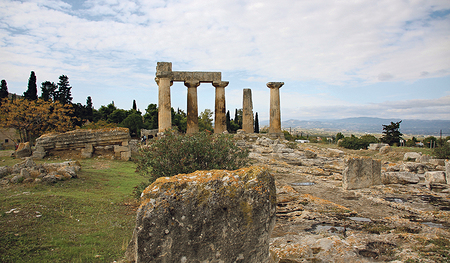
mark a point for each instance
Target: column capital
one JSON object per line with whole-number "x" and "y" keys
{"x": 274, "y": 85}
{"x": 192, "y": 83}
{"x": 158, "y": 78}
{"x": 220, "y": 84}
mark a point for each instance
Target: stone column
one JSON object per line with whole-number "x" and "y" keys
{"x": 164, "y": 107}
{"x": 247, "y": 112}
{"x": 275, "y": 113}
{"x": 192, "y": 106}
{"x": 220, "y": 124}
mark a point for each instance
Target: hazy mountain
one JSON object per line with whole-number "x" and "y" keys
{"x": 372, "y": 125}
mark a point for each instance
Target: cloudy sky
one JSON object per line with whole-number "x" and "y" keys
{"x": 338, "y": 59}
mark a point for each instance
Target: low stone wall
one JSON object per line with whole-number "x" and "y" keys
{"x": 206, "y": 216}
{"x": 85, "y": 143}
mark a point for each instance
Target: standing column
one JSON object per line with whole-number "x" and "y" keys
{"x": 247, "y": 112}
{"x": 164, "y": 107}
{"x": 275, "y": 113}
{"x": 220, "y": 124}
{"x": 192, "y": 106}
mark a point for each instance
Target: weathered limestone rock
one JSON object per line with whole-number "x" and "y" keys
{"x": 435, "y": 177}
{"x": 399, "y": 178}
{"x": 376, "y": 146}
{"x": 310, "y": 154}
{"x": 412, "y": 156}
{"x": 24, "y": 150}
{"x": 206, "y": 216}
{"x": 425, "y": 158}
{"x": 385, "y": 149}
{"x": 86, "y": 139}
{"x": 361, "y": 172}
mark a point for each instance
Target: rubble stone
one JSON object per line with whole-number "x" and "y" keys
{"x": 435, "y": 177}
{"x": 399, "y": 178}
{"x": 411, "y": 156}
{"x": 361, "y": 172}
{"x": 23, "y": 150}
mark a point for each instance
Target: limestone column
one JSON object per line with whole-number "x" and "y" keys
{"x": 192, "y": 106}
{"x": 220, "y": 124}
{"x": 164, "y": 107}
{"x": 247, "y": 112}
{"x": 275, "y": 113}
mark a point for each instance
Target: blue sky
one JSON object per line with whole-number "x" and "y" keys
{"x": 338, "y": 59}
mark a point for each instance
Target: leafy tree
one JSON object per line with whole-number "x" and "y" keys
{"x": 356, "y": 143}
{"x": 31, "y": 92}
{"x": 105, "y": 111}
{"x": 442, "y": 151}
{"x": 134, "y": 105}
{"x": 256, "y": 123}
{"x": 391, "y": 133}
{"x": 179, "y": 119}
{"x": 430, "y": 141}
{"x": 64, "y": 95}
{"x": 339, "y": 136}
{"x": 151, "y": 117}
{"x": 32, "y": 118}
{"x": 133, "y": 122}
{"x": 205, "y": 120}
{"x": 117, "y": 116}
{"x": 3, "y": 91}
{"x": 48, "y": 90}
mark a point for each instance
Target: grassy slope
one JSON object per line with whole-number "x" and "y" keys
{"x": 89, "y": 219}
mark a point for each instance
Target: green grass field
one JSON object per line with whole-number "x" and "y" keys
{"x": 88, "y": 219}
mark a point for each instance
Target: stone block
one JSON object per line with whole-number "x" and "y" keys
{"x": 412, "y": 156}
{"x": 118, "y": 149}
{"x": 400, "y": 178}
{"x": 125, "y": 143}
{"x": 23, "y": 150}
{"x": 206, "y": 216}
{"x": 361, "y": 172}
{"x": 126, "y": 156}
{"x": 435, "y": 177}
{"x": 385, "y": 149}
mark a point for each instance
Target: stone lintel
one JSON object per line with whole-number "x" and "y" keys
{"x": 196, "y": 76}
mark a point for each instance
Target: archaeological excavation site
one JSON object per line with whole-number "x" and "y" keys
{"x": 292, "y": 202}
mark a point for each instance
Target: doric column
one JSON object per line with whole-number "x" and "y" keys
{"x": 247, "y": 112}
{"x": 192, "y": 106}
{"x": 275, "y": 113}
{"x": 220, "y": 124}
{"x": 164, "y": 107}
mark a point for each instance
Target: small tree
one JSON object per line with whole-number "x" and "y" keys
{"x": 256, "y": 123}
{"x": 133, "y": 122}
{"x": 391, "y": 133}
{"x": 228, "y": 121}
{"x": 151, "y": 117}
{"x": 339, "y": 136}
{"x": 64, "y": 95}
{"x": 134, "y": 105}
{"x": 205, "y": 120}
{"x": 179, "y": 120}
{"x": 48, "y": 90}
{"x": 3, "y": 91}
{"x": 31, "y": 92}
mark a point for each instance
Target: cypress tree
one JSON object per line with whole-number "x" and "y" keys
{"x": 3, "y": 91}
{"x": 89, "y": 109}
{"x": 48, "y": 90}
{"x": 134, "y": 105}
{"x": 31, "y": 92}
{"x": 64, "y": 94}
{"x": 228, "y": 120}
{"x": 256, "y": 123}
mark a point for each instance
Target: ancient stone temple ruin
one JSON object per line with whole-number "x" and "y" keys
{"x": 165, "y": 78}
{"x": 275, "y": 113}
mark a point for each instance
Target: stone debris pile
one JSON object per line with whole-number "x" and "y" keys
{"x": 30, "y": 172}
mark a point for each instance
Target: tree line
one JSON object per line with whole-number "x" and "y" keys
{"x": 53, "y": 111}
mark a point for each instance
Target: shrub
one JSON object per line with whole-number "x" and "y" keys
{"x": 355, "y": 143}
{"x": 442, "y": 152}
{"x": 180, "y": 154}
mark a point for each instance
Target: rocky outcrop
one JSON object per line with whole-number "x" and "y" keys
{"x": 23, "y": 150}
{"x": 206, "y": 216}
{"x": 28, "y": 172}
{"x": 84, "y": 143}
{"x": 361, "y": 172}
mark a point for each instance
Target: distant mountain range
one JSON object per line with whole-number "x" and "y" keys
{"x": 371, "y": 125}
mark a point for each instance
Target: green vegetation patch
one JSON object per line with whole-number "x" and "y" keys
{"x": 89, "y": 219}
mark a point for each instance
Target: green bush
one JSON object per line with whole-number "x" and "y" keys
{"x": 442, "y": 152}
{"x": 356, "y": 143}
{"x": 181, "y": 154}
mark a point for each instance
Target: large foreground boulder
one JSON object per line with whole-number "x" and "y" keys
{"x": 206, "y": 216}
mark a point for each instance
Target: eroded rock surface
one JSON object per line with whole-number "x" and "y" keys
{"x": 206, "y": 216}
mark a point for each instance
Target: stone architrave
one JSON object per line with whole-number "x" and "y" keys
{"x": 192, "y": 106}
{"x": 206, "y": 216}
{"x": 361, "y": 172}
{"x": 247, "y": 111}
{"x": 165, "y": 78}
{"x": 220, "y": 124}
{"x": 275, "y": 112}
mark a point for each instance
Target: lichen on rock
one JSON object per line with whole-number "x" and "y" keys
{"x": 210, "y": 216}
